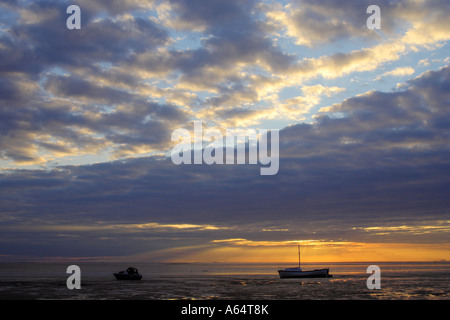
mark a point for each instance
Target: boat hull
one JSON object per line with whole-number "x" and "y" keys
{"x": 122, "y": 276}
{"x": 321, "y": 273}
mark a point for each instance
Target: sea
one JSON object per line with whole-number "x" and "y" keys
{"x": 224, "y": 281}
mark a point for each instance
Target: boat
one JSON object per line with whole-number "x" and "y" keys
{"x": 130, "y": 274}
{"x": 297, "y": 272}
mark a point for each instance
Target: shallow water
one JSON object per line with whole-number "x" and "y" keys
{"x": 163, "y": 281}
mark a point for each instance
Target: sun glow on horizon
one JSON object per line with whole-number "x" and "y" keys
{"x": 317, "y": 252}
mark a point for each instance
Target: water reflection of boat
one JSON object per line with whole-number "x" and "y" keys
{"x": 297, "y": 272}
{"x": 130, "y": 274}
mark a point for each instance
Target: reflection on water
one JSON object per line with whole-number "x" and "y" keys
{"x": 223, "y": 281}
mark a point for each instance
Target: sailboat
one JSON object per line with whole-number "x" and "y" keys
{"x": 297, "y": 272}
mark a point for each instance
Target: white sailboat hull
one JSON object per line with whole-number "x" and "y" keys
{"x": 320, "y": 273}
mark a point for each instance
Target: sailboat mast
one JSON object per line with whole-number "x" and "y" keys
{"x": 299, "y": 256}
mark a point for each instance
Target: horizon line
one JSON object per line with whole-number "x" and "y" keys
{"x": 71, "y": 260}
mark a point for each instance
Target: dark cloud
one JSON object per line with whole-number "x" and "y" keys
{"x": 215, "y": 15}
{"x": 127, "y": 129}
{"x": 114, "y": 7}
{"x": 100, "y": 40}
{"x": 40, "y": 59}
{"x": 384, "y": 172}
{"x": 314, "y": 23}
{"x": 233, "y": 35}
{"x": 43, "y": 64}
{"x": 74, "y": 87}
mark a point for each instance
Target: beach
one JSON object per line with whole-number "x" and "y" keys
{"x": 224, "y": 281}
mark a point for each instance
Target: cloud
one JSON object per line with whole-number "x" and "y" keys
{"x": 126, "y": 57}
{"x": 116, "y": 7}
{"x": 384, "y": 159}
{"x": 297, "y": 107}
{"x": 311, "y": 23}
{"x": 424, "y": 62}
{"x": 94, "y": 108}
{"x": 397, "y": 72}
{"x": 420, "y": 229}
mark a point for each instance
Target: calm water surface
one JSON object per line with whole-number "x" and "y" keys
{"x": 161, "y": 281}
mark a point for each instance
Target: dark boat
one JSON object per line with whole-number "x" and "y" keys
{"x": 297, "y": 272}
{"x": 130, "y": 274}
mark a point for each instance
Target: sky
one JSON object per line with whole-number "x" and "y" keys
{"x": 87, "y": 116}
